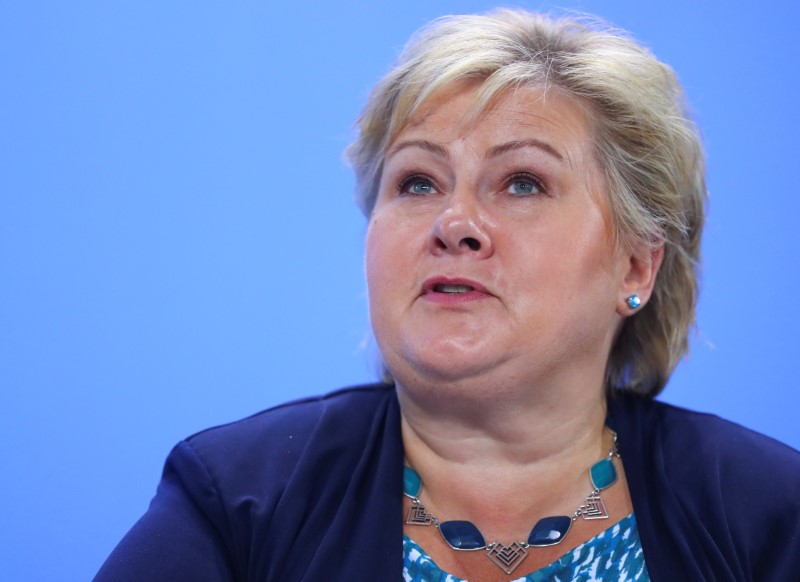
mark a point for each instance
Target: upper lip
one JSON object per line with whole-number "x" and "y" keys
{"x": 429, "y": 285}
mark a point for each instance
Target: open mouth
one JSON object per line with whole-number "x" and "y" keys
{"x": 452, "y": 289}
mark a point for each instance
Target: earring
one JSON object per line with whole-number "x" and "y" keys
{"x": 633, "y": 301}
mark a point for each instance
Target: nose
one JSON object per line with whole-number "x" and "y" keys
{"x": 461, "y": 229}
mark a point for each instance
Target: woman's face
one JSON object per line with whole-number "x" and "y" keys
{"x": 489, "y": 247}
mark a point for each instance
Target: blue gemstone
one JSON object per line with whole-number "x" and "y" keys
{"x": 634, "y": 302}
{"x": 411, "y": 482}
{"x": 548, "y": 531}
{"x": 462, "y": 535}
{"x": 603, "y": 474}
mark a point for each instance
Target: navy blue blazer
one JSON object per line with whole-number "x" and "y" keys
{"x": 312, "y": 490}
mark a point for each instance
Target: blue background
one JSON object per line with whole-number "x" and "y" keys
{"x": 178, "y": 248}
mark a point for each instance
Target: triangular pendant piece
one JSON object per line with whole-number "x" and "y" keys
{"x": 594, "y": 508}
{"x": 417, "y": 515}
{"x": 507, "y": 558}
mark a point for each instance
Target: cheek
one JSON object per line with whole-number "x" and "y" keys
{"x": 570, "y": 259}
{"x": 595, "y": 270}
{"x": 392, "y": 243}
{"x": 372, "y": 253}
{"x": 384, "y": 270}
{"x": 383, "y": 259}
{"x": 588, "y": 236}
{"x": 375, "y": 251}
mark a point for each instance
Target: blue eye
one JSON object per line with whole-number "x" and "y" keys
{"x": 524, "y": 185}
{"x": 417, "y": 186}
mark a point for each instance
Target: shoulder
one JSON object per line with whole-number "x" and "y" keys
{"x": 685, "y": 438}
{"x": 249, "y": 498}
{"x": 712, "y": 487}
{"x": 296, "y": 462}
{"x": 298, "y": 418}
{"x": 279, "y": 435}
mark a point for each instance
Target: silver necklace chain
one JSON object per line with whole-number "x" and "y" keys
{"x": 509, "y": 557}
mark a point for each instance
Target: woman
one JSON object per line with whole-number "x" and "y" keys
{"x": 535, "y": 198}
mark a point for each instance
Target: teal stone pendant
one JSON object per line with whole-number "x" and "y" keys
{"x": 603, "y": 474}
{"x": 412, "y": 483}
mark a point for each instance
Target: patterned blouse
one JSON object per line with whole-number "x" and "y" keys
{"x": 614, "y": 554}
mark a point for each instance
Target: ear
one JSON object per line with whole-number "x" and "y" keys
{"x": 639, "y": 279}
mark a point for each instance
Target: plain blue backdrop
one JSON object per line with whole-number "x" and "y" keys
{"x": 178, "y": 248}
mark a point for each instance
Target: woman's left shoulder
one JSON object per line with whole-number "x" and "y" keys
{"x": 727, "y": 493}
{"x": 693, "y": 446}
{"x": 733, "y": 448}
{"x": 702, "y": 436}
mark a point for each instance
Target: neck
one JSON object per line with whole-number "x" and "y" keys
{"x": 490, "y": 455}
{"x": 483, "y": 419}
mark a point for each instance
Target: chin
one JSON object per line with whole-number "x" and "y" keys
{"x": 448, "y": 366}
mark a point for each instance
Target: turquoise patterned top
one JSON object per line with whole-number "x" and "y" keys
{"x": 614, "y": 554}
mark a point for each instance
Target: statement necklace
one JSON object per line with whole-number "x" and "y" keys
{"x": 464, "y": 535}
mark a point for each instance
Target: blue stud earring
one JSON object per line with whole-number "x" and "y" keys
{"x": 633, "y": 301}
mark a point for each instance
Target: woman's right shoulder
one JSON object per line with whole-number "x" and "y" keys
{"x": 285, "y": 431}
{"x": 243, "y": 496}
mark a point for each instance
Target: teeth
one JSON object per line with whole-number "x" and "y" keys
{"x": 453, "y": 288}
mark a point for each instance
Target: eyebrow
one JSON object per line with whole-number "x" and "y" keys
{"x": 426, "y": 145}
{"x": 523, "y": 143}
{"x": 493, "y": 152}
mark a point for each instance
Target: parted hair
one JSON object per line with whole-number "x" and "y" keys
{"x": 645, "y": 142}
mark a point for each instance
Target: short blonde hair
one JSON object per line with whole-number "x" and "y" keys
{"x": 646, "y": 144}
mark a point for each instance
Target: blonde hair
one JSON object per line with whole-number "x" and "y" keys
{"x": 646, "y": 144}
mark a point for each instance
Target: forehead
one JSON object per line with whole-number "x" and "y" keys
{"x": 461, "y": 111}
{"x": 462, "y": 107}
